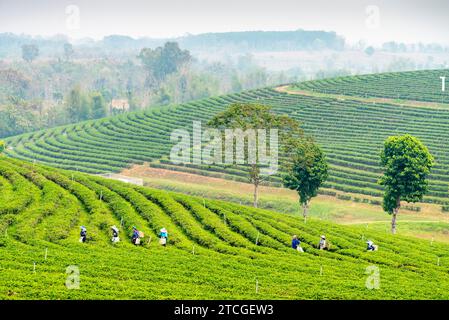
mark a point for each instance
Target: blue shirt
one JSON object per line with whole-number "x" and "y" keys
{"x": 295, "y": 243}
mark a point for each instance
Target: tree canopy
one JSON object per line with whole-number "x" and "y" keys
{"x": 246, "y": 116}
{"x": 29, "y": 52}
{"x": 307, "y": 171}
{"x": 163, "y": 61}
{"x": 407, "y": 163}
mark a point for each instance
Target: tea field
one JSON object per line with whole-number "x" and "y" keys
{"x": 351, "y": 132}
{"x": 216, "y": 250}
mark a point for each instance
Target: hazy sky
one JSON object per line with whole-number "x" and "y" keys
{"x": 372, "y": 20}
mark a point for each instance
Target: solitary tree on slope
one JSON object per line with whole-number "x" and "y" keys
{"x": 407, "y": 163}
{"x": 306, "y": 172}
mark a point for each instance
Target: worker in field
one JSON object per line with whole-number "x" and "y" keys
{"x": 322, "y": 244}
{"x": 371, "y": 246}
{"x": 296, "y": 244}
{"x": 83, "y": 234}
{"x": 135, "y": 238}
{"x": 115, "y": 237}
{"x": 163, "y": 237}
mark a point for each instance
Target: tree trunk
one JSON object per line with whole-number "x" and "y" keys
{"x": 395, "y": 214}
{"x": 305, "y": 210}
{"x": 256, "y": 195}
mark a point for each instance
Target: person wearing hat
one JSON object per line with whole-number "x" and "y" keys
{"x": 83, "y": 234}
{"x": 322, "y": 244}
{"x": 371, "y": 246}
{"x": 135, "y": 237}
{"x": 115, "y": 237}
{"x": 296, "y": 244}
{"x": 163, "y": 235}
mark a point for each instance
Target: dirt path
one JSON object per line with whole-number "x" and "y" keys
{"x": 158, "y": 173}
{"x": 407, "y": 103}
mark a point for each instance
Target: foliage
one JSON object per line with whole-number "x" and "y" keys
{"x": 68, "y": 50}
{"x": 255, "y": 116}
{"x": 163, "y": 61}
{"x": 99, "y": 109}
{"x": 307, "y": 172}
{"x": 29, "y": 52}
{"x": 407, "y": 164}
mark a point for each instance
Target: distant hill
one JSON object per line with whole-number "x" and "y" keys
{"x": 10, "y": 44}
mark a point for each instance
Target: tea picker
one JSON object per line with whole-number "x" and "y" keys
{"x": 115, "y": 237}
{"x": 136, "y": 236}
{"x": 371, "y": 246}
{"x": 83, "y": 234}
{"x": 296, "y": 244}
{"x": 322, "y": 244}
{"x": 163, "y": 237}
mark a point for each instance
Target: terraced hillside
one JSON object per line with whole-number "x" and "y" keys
{"x": 216, "y": 250}
{"x": 351, "y": 133}
{"x": 414, "y": 85}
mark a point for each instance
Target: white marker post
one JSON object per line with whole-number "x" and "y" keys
{"x": 257, "y": 286}
{"x": 34, "y": 267}
{"x": 438, "y": 261}
{"x": 46, "y": 252}
{"x": 224, "y": 218}
{"x": 443, "y": 84}
{"x": 204, "y": 203}
{"x": 257, "y": 239}
{"x": 431, "y": 241}
{"x": 321, "y": 270}
{"x": 101, "y": 195}
{"x": 193, "y": 250}
{"x": 121, "y": 222}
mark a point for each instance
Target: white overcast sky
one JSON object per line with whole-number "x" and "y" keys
{"x": 407, "y": 21}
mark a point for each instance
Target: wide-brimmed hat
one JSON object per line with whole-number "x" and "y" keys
{"x": 163, "y": 230}
{"x": 323, "y": 237}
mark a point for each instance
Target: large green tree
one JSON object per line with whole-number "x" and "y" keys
{"x": 407, "y": 163}
{"x": 306, "y": 172}
{"x": 253, "y": 116}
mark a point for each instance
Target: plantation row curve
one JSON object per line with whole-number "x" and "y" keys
{"x": 215, "y": 250}
{"x": 350, "y": 132}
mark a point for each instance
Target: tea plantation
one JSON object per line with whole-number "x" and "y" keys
{"x": 216, "y": 250}
{"x": 351, "y": 132}
{"x": 413, "y": 85}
